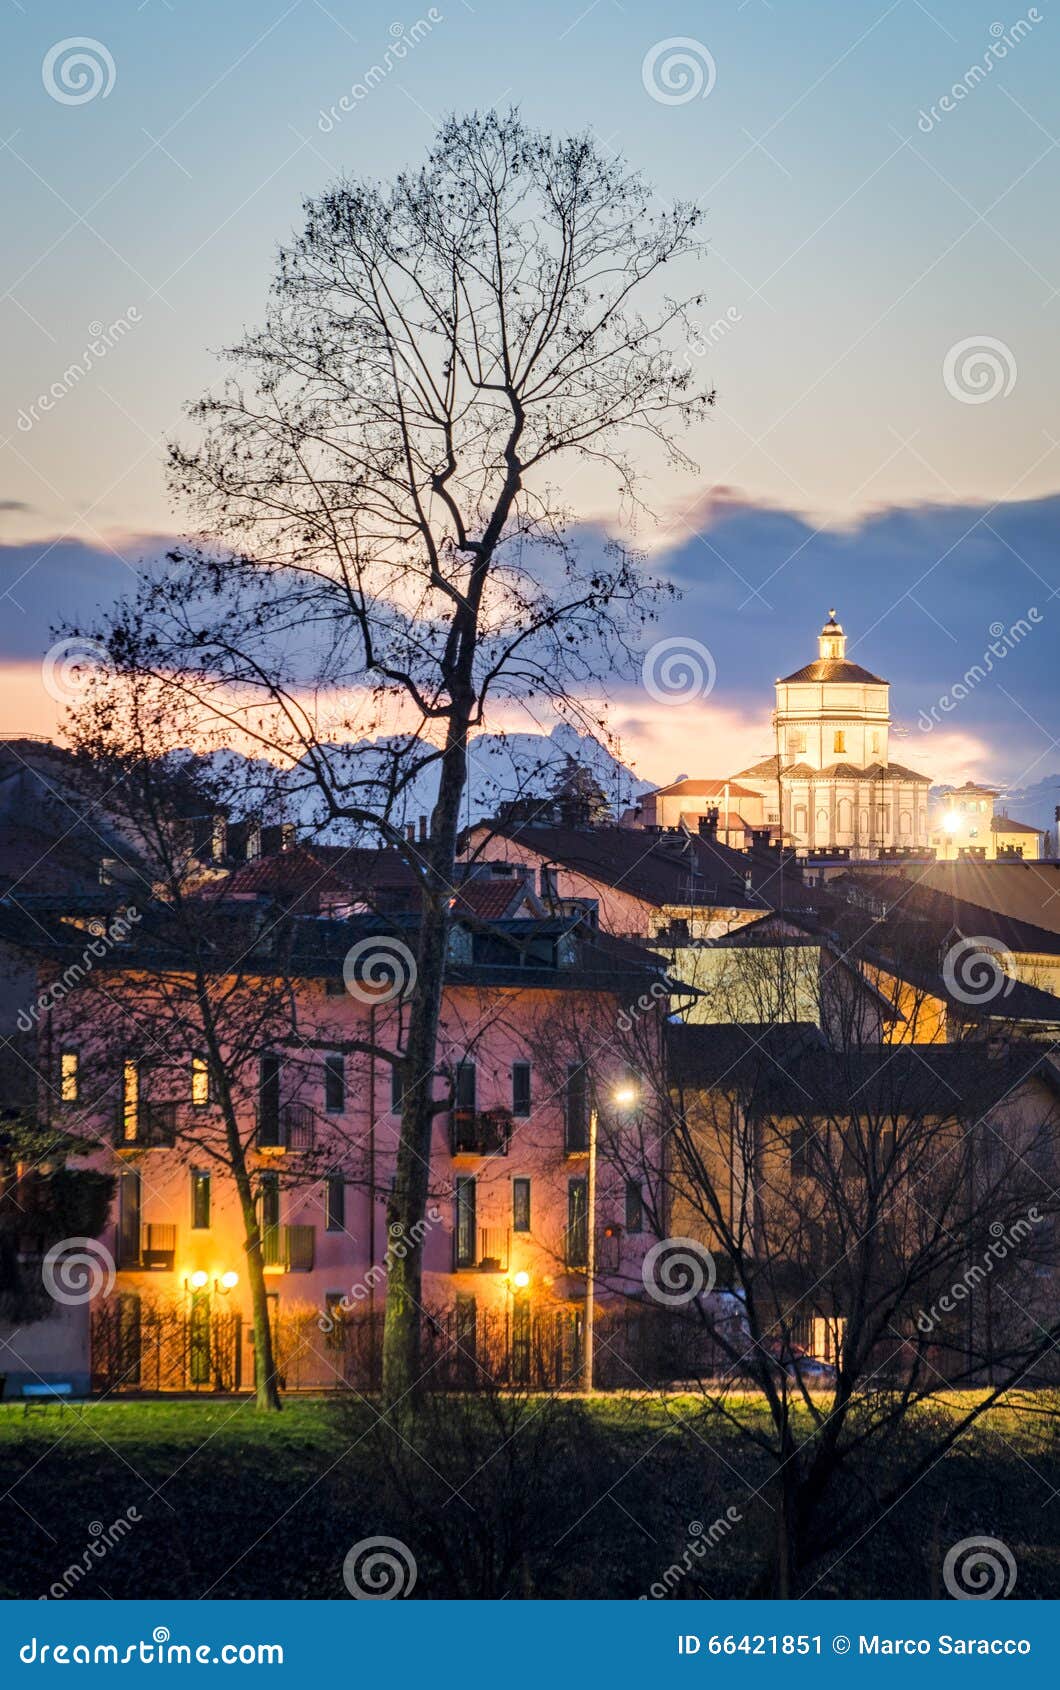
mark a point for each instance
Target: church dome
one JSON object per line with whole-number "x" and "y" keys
{"x": 832, "y": 664}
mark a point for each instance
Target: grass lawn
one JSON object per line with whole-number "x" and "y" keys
{"x": 232, "y": 1503}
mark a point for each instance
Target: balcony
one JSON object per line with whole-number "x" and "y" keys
{"x": 291, "y": 1127}
{"x": 147, "y": 1126}
{"x": 479, "y": 1132}
{"x": 158, "y": 1248}
{"x": 288, "y": 1249}
{"x": 492, "y": 1253}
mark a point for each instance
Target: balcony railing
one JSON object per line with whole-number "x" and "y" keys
{"x": 291, "y": 1127}
{"x": 479, "y": 1132}
{"x": 493, "y": 1249}
{"x": 146, "y": 1126}
{"x": 491, "y": 1255}
{"x": 158, "y": 1248}
{"x": 288, "y": 1249}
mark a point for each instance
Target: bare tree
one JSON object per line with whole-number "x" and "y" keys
{"x": 383, "y": 467}
{"x": 856, "y": 1228}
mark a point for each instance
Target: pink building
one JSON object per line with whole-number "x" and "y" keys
{"x": 528, "y": 1052}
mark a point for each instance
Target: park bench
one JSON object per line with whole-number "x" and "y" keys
{"x": 44, "y": 1394}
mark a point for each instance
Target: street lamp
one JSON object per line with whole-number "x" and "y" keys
{"x": 195, "y": 1281}
{"x": 227, "y": 1282}
{"x": 623, "y": 1097}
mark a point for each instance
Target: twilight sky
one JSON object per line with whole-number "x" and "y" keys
{"x": 881, "y": 320}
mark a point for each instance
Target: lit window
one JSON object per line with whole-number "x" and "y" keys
{"x": 200, "y": 1081}
{"x": 520, "y": 1205}
{"x": 68, "y": 1075}
{"x": 839, "y": 741}
{"x": 200, "y": 1200}
{"x": 130, "y": 1100}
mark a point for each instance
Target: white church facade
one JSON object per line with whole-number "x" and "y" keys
{"x": 832, "y": 783}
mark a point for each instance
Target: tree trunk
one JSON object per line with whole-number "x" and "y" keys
{"x": 266, "y": 1389}
{"x": 408, "y": 1201}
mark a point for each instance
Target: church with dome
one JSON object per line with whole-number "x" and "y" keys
{"x": 831, "y": 783}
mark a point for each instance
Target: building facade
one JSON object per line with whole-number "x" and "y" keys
{"x": 832, "y": 784}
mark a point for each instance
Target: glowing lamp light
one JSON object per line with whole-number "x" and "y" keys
{"x": 625, "y": 1097}
{"x": 229, "y": 1280}
{"x": 198, "y": 1279}
{"x": 521, "y": 1279}
{"x": 951, "y": 822}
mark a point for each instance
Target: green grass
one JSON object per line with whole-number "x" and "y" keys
{"x": 233, "y": 1503}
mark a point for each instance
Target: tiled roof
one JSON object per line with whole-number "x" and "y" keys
{"x": 314, "y": 876}
{"x": 1007, "y": 824}
{"x": 833, "y": 669}
{"x": 666, "y": 869}
{"x": 701, "y": 789}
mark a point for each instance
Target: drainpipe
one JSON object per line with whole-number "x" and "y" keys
{"x": 590, "y": 1257}
{"x": 371, "y": 1191}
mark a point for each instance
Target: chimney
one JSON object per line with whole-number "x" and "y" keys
{"x": 708, "y": 823}
{"x": 410, "y": 832}
{"x": 423, "y": 830}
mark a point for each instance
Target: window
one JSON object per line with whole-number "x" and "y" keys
{"x": 199, "y": 1339}
{"x": 130, "y": 1100}
{"x": 875, "y": 742}
{"x": 464, "y": 1087}
{"x": 520, "y": 1088}
{"x": 466, "y": 1254}
{"x": 335, "y": 1203}
{"x": 200, "y": 1081}
{"x": 397, "y": 1089}
{"x": 269, "y": 1100}
{"x": 577, "y": 1252}
{"x": 634, "y": 1206}
{"x": 334, "y": 1084}
{"x": 520, "y": 1205}
{"x": 68, "y": 1076}
{"x": 839, "y": 740}
{"x": 334, "y": 1320}
{"x": 269, "y": 1215}
{"x": 200, "y": 1199}
{"x": 129, "y": 1218}
{"x": 796, "y": 740}
{"x": 575, "y": 1111}
{"x": 799, "y": 1150}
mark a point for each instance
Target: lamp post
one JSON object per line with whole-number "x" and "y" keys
{"x": 624, "y": 1097}
{"x": 590, "y": 1255}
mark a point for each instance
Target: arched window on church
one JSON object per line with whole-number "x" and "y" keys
{"x": 839, "y": 740}
{"x": 800, "y": 818}
{"x": 845, "y": 815}
{"x": 905, "y": 823}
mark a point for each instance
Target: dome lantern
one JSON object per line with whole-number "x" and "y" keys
{"x": 832, "y": 642}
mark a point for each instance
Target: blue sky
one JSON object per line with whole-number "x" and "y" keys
{"x": 856, "y": 242}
